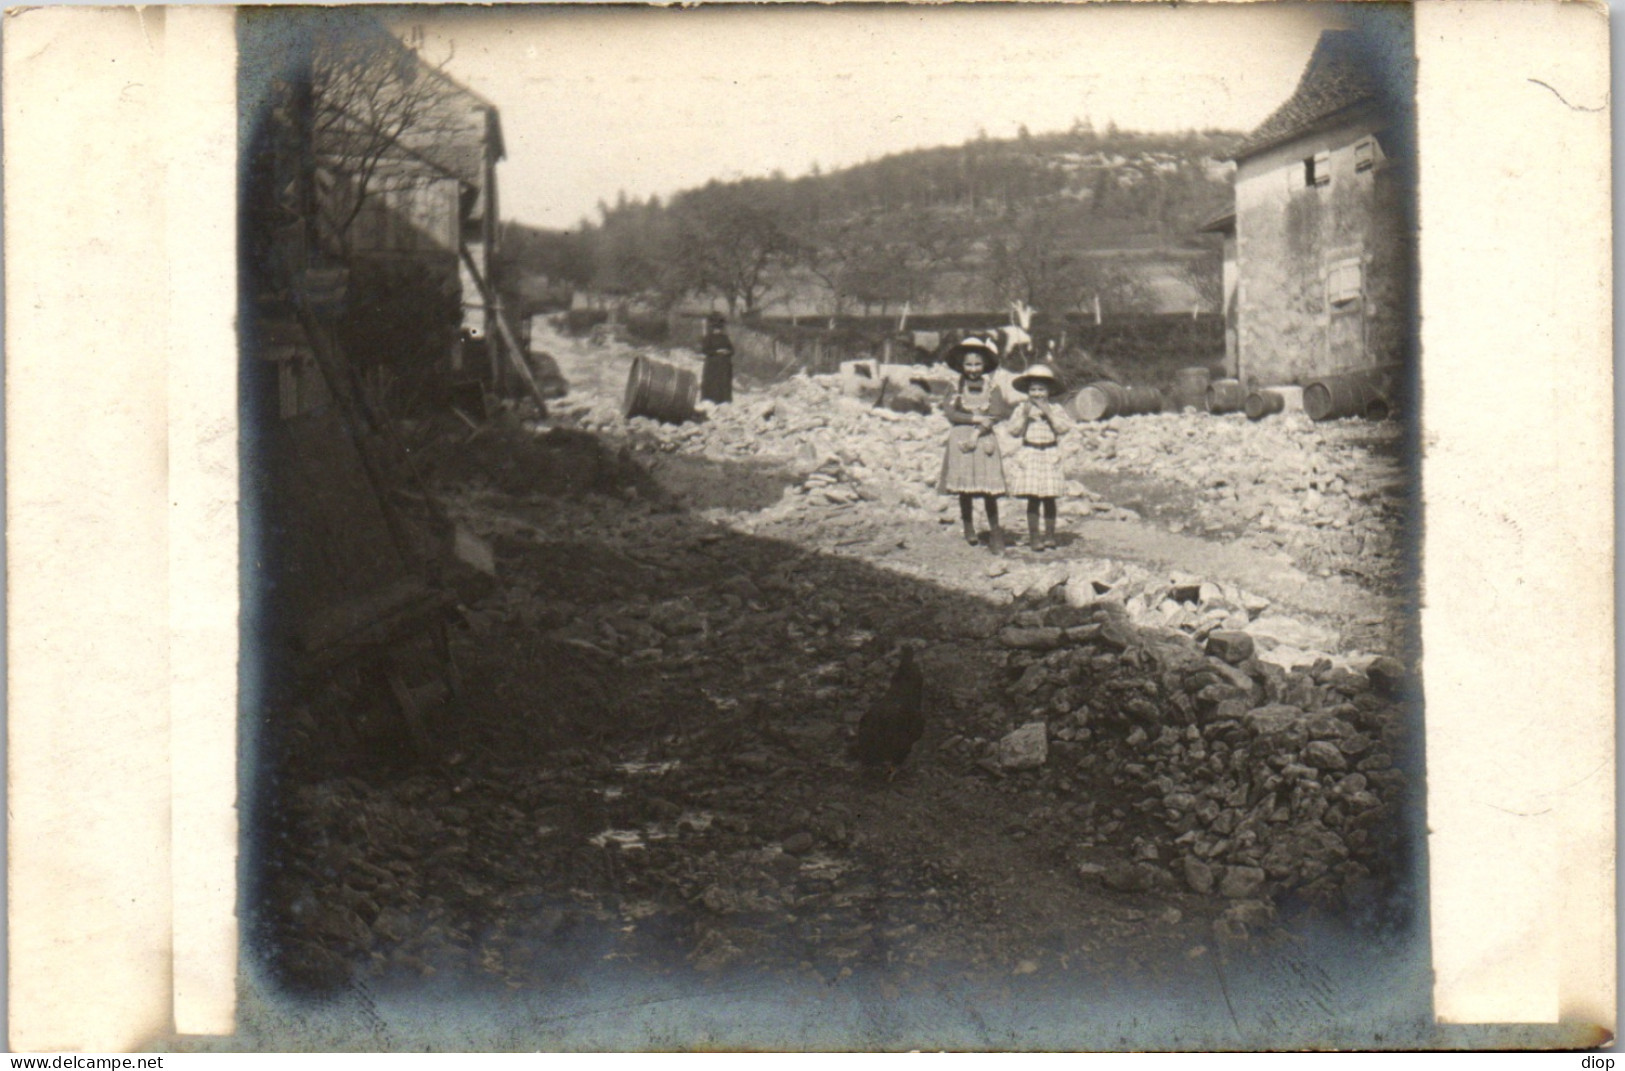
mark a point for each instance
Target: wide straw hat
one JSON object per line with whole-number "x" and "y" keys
{"x": 989, "y": 352}
{"x": 1037, "y": 372}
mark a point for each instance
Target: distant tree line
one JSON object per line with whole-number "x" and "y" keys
{"x": 1043, "y": 219}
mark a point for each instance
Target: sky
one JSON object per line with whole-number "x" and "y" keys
{"x": 596, "y": 101}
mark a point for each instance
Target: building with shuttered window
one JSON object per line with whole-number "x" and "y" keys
{"x": 1320, "y": 277}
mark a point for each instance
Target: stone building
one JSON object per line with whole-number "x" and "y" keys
{"x": 1225, "y": 224}
{"x": 1321, "y": 234}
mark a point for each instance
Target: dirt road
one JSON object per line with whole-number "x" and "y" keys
{"x": 644, "y": 831}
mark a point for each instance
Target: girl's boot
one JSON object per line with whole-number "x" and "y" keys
{"x": 1049, "y": 525}
{"x": 970, "y": 522}
{"x": 995, "y": 535}
{"x": 1033, "y": 537}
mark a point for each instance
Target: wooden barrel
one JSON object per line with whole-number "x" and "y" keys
{"x": 1098, "y": 401}
{"x": 1143, "y": 400}
{"x": 1352, "y": 394}
{"x": 660, "y": 391}
{"x": 1190, "y": 388}
{"x": 1226, "y": 396}
{"x": 1103, "y": 400}
{"x": 1261, "y": 403}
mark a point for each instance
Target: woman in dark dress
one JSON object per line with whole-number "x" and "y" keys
{"x": 717, "y": 380}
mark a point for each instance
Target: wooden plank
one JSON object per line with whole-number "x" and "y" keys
{"x": 515, "y": 355}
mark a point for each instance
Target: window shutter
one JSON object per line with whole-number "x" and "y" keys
{"x": 1344, "y": 283}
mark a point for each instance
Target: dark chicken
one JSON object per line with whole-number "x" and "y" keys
{"x": 891, "y": 727}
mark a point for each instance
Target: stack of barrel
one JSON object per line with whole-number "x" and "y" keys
{"x": 1352, "y": 394}
{"x": 1103, "y": 400}
{"x": 1267, "y": 400}
{"x": 660, "y": 391}
{"x": 1364, "y": 393}
{"x": 1190, "y": 388}
{"x": 1226, "y": 396}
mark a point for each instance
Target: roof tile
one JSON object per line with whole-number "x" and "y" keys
{"x": 1339, "y": 75}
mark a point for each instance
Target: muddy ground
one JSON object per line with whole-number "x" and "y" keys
{"x": 640, "y": 828}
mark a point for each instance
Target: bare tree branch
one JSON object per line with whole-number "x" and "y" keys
{"x": 379, "y": 110}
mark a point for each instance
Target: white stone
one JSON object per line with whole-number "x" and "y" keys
{"x": 1026, "y": 748}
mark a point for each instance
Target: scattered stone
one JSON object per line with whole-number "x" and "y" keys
{"x": 1253, "y": 604}
{"x": 1324, "y": 755}
{"x": 1346, "y": 680}
{"x": 1033, "y": 639}
{"x": 799, "y": 843}
{"x": 1354, "y": 744}
{"x": 1254, "y": 914}
{"x": 473, "y": 551}
{"x": 720, "y": 901}
{"x": 1081, "y": 634}
{"x": 1232, "y": 647}
{"x": 1279, "y": 630}
{"x": 1198, "y": 875}
{"x": 1026, "y": 748}
{"x": 1068, "y": 618}
{"x": 1186, "y": 593}
{"x": 741, "y": 586}
{"x": 1134, "y": 877}
{"x": 1118, "y": 635}
{"x": 714, "y": 952}
{"x": 1241, "y": 882}
{"x": 1274, "y": 718}
{"x": 1387, "y": 676}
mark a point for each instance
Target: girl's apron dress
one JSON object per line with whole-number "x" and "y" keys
{"x": 971, "y": 464}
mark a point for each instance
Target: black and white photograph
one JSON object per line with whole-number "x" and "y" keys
{"x": 852, "y": 527}
{"x": 903, "y": 544}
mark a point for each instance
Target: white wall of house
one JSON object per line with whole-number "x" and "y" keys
{"x": 1321, "y": 262}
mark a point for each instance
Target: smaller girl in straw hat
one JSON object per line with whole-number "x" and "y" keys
{"x": 1038, "y": 424}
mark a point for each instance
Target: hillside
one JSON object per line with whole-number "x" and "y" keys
{"x": 1057, "y": 220}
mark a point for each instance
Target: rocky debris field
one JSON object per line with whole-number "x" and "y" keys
{"x": 1187, "y": 730}
{"x": 1331, "y": 495}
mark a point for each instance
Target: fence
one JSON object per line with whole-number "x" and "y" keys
{"x": 778, "y": 355}
{"x": 1146, "y": 350}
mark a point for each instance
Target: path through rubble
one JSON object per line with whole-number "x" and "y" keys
{"x": 644, "y": 831}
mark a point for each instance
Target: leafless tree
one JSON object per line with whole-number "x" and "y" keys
{"x": 1204, "y": 274}
{"x": 378, "y": 111}
{"x": 729, "y": 241}
{"x": 885, "y": 261}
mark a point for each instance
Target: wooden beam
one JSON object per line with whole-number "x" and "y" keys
{"x": 516, "y": 355}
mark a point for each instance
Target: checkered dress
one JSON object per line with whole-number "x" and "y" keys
{"x": 1035, "y": 467}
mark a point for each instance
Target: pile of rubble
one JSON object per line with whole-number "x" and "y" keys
{"x": 1266, "y": 773}
{"x": 818, "y": 428}
{"x": 1333, "y": 494}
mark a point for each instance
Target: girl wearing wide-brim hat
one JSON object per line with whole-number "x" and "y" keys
{"x": 971, "y": 464}
{"x": 1038, "y": 424}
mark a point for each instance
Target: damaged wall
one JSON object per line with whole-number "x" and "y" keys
{"x": 1322, "y": 255}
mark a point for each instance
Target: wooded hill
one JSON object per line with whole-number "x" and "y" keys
{"x": 1057, "y": 220}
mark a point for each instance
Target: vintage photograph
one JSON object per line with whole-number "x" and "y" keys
{"x": 857, "y": 527}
